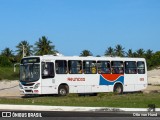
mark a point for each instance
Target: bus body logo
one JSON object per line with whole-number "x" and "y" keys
{"x": 75, "y": 79}
{"x": 110, "y": 79}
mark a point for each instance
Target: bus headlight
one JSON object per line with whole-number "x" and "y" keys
{"x": 20, "y": 86}
{"x": 37, "y": 85}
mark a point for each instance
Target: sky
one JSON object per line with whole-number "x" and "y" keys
{"x": 76, "y": 25}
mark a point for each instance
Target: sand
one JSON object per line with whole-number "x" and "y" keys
{"x": 11, "y": 88}
{"x": 154, "y": 77}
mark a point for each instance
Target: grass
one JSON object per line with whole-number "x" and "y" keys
{"x": 7, "y": 73}
{"x": 134, "y": 100}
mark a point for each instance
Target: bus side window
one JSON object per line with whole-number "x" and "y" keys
{"x": 47, "y": 70}
{"x": 117, "y": 67}
{"x": 103, "y": 67}
{"x": 130, "y": 67}
{"x": 141, "y": 67}
{"x": 89, "y": 67}
{"x": 61, "y": 66}
{"x": 75, "y": 66}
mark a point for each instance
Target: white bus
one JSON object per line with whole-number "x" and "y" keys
{"x": 62, "y": 75}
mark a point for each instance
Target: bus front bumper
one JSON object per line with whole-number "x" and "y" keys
{"x": 31, "y": 91}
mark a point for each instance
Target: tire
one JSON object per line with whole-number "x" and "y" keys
{"x": 62, "y": 90}
{"x": 118, "y": 89}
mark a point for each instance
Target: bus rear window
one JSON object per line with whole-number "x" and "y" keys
{"x": 141, "y": 67}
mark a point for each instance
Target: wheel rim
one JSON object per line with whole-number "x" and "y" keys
{"x": 118, "y": 90}
{"x": 62, "y": 92}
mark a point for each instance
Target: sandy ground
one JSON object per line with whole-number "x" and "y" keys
{"x": 11, "y": 88}
{"x": 154, "y": 77}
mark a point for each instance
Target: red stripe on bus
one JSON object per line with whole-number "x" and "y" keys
{"x": 111, "y": 77}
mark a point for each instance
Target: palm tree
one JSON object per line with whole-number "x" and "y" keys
{"x": 27, "y": 49}
{"x": 8, "y": 54}
{"x": 130, "y": 53}
{"x": 109, "y": 52}
{"x": 43, "y": 47}
{"x": 140, "y": 52}
{"x": 86, "y": 53}
{"x": 149, "y": 54}
{"x": 119, "y": 50}
{"x": 149, "y": 57}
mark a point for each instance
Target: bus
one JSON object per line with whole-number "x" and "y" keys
{"x": 62, "y": 75}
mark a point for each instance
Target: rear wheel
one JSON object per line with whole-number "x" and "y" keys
{"x": 118, "y": 89}
{"x": 62, "y": 90}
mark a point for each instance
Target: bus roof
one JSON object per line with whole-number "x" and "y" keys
{"x": 52, "y": 57}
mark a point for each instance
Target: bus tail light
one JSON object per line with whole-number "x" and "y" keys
{"x": 37, "y": 85}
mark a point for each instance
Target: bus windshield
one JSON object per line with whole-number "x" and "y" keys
{"x": 29, "y": 72}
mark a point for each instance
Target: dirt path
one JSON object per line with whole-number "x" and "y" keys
{"x": 9, "y": 88}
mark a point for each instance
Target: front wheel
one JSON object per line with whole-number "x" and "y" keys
{"x": 62, "y": 91}
{"x": 118, "y": 89}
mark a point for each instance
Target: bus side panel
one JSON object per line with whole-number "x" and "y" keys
{"x": 76, "y": 82}
{"x": 48, "y": 86}
{"x": 99, "y": 88}
{"x": 76, "y": 89}
{"x": 141, "y": 82}
{"x": 129, "y": 82}
{"x": 80, "y": 83}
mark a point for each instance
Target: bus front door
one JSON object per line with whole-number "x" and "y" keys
{"x": 47, "y": 78}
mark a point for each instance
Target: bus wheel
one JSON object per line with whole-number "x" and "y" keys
{"x": 62, "y": 90}
{"x": 118, "y": 89}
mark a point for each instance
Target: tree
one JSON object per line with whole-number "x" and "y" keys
{"x": 119, "y": 50}
{"x": 130, "y": 53}
{"x": 44, "y": 47}
{"x": 8, "y": 54}
{"x": 86, "y": 53}
{"x": 155, "y": 60}
{"x": 109, "y": 52}
{"x": 149, "y": 54}
{"x": 27, "y": 49}
{"x": 98, "y": 56}
{"x": 5, "y": 62}
{"x": 140, "y": 53}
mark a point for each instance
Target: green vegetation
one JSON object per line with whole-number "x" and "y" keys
{"x": 7, "y": 73}
{"x": 134, "y": 100}
{"x": 86, "y": 53}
